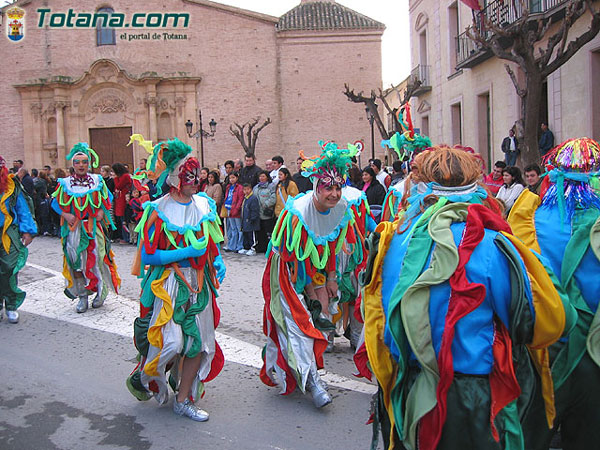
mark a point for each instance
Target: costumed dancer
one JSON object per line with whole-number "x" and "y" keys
{"x": 563, "y": 225}
{"x": 18, "y": 228}
{"x": 83, "y": 201}
{"x": 303, "y": 274}
{"x": 450, "y": 300}
{"x": 179, "y": 259}
{"x": 407, "y": 146}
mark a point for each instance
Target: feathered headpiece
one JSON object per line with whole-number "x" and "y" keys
{"x": 168, "y": 161}
{"x": 84, "y": 148}
{"x": 408, "y": 143}
{"x": 572, "y": 168}
{"x": 331, "y": 167}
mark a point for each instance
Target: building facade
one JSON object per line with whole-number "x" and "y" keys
{"x": 101, "y": 83}
{"x": 467, "y": 96}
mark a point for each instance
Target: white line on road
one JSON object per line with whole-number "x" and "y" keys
{"x": 45, "y": 298}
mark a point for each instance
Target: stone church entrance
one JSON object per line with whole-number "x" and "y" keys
{"x": 111, "y": 146}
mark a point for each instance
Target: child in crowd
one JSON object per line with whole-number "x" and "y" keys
{"x": 234, "y": 196}
{"x": 250, "y": 220}
{"x": 135, "y": 204}
{"x": 127, "y": 220}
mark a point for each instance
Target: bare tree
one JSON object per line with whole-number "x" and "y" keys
{"x": 371, "y": 104}
{"x": 517, "y": 43}
{"x": 247, "y": 134}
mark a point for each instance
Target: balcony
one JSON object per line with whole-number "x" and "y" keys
{"x": 420, "y": 74}
{"x": 502, "y": 13}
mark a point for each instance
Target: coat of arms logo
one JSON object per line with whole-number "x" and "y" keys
{"x": 15, "y": 26}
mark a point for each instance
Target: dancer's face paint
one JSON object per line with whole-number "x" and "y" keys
{"x": 81, "y": 163}
{"x": 327, "y": 196}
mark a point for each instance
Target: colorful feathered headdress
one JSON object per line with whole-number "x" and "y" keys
{"x": 573, "y": 168}
{"x": 84, "y": 148}
{"x": 408, "y": 143}
{"x": 167, "y": 161}
{"x": 331, "y": 166}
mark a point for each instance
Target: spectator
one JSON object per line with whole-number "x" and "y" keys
{"x": 249, "y": 173}
{"x": 17, "y": 164}
{"x": 213, "y": 188}
{"x": 233, "y": 209}
{"x": 374, "y": 191}
{"x": 269, "y": 165}
{"x": 26, "y": 181}
{"x": 227, "y": 170}
{"x": 302, "y": 183}
{"x": 127, "y": 219}
{"x": 203, "y": 178}
{"x": 48, "y": 170}
{"x": 42, "y": 203}
{"x": 382, "y": 176}
{"x": 494, "y": 180}
{"x": 54, "y": 217}
{"x": 108, "y": 180}
{"x": 285, "y": 188}
{"x": 250, "y": 220}
{"x": 546, "y": 139}
{"x": 135, "y": 204}
{"x": 512, "y": 187}
{"x": 238, "y": 166}
{"x": 123, "y": 184}
{"x": 265, "y": 193}
{"x": 355, "y": 177}
{"x": 532, "y": 177}
{"x": 276, "y": 164}
{"x": 398, "y": 174}
{"x": 510, "y": 148}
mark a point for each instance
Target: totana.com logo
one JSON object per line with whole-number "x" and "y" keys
{"x": 15, "y": 27}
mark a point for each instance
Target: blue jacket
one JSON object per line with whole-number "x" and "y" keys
{"x": 250, "y": 214}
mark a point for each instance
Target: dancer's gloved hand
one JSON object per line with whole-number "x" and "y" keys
{"x": 220, "y": 268}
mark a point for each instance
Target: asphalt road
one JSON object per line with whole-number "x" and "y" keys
{"x": 62, "y": 375}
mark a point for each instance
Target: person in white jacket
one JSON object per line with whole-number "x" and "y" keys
{"x": 512, "y": 187}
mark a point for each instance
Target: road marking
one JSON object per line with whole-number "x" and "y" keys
{"x": 45, "y": 298}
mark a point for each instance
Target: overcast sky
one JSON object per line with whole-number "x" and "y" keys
{"x": 393, "y": 13}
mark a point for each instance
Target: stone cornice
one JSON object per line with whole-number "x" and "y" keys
{"x": 234, "y": 10}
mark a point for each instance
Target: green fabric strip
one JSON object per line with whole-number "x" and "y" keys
{"x": 593, "y": 340}
{"x": 570, "y": 355}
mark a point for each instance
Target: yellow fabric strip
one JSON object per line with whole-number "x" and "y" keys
{"x": 522, "y": 219}
{"x": 155, "y": 337}
{"x": 10, "y": 188}
{"x": 380, "y": 358}
{"x": 549, "y": 324}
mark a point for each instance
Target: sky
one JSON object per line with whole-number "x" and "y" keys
{"x": 393, "y": 13}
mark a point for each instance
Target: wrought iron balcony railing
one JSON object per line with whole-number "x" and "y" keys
{"x": 501, "y": 13}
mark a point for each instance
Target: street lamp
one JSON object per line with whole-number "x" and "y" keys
{"x": 371, "y": 119}
{"x": 201, "y": 133}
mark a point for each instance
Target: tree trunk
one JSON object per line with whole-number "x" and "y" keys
{"x": 530, "y": 153}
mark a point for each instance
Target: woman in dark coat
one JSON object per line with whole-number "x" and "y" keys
{"x": 374, "y": 191}
{"x": 123, "y": 185}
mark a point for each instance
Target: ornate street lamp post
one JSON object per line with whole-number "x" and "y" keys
{"x": 201, "y": 133}
{"x": 371, "y": 119}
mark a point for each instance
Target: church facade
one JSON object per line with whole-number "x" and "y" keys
{"x": 73, "y": 76}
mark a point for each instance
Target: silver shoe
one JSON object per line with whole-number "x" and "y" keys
{"x": 317, "y": 388}
{"x": 98, "y": 301}
{"x": 330, "y": 337}
{"x": 82, "y": 304}
{"x": 12, "y": 316}
{"x": 188, "y": 409}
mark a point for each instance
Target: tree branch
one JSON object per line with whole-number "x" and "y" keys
{"x": 520, "y": 91}
{"x": 574, "y": 46}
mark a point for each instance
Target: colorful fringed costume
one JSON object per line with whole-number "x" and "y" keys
{"x": 181, "y": 267}
{"x": 86, "y": 246}
{"x": 307, "y": 247}
{"x": 16, "y": 218}
{"x": 450, "y": 300}
{"x": 179, "y": 312}
{"x": 563, "y": 225}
